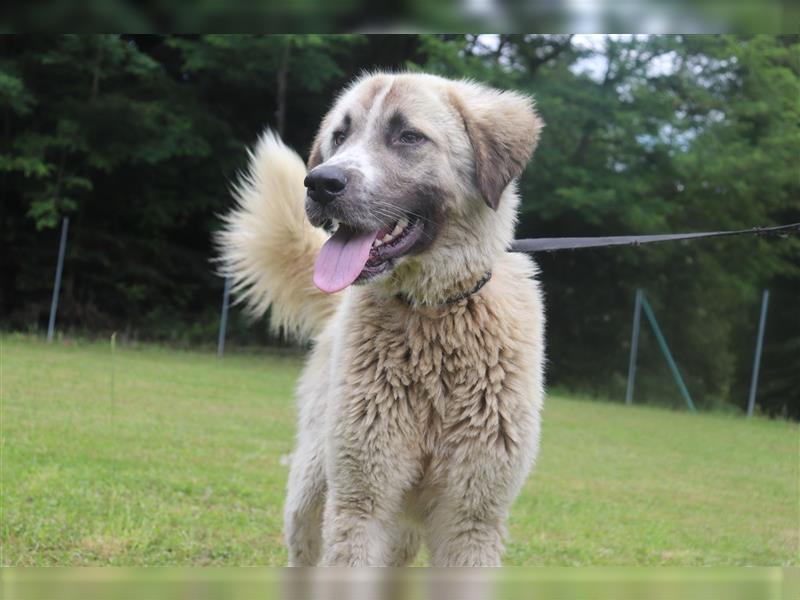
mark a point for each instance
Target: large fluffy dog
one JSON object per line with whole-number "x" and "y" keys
{"x": 419, "y": 406}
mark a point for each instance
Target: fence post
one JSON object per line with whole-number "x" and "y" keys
{"x": 62, "y": 247}
{"x": 223, "y": 320}
{"x": 648, "y": 311}
{"x": 637, "y": 317}
{"x": 111, "y": 387}
{"x": 751, "y": 401}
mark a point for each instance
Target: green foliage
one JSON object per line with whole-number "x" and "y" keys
{"x": 665, "y": 134}
{"x": 138, "y": 139}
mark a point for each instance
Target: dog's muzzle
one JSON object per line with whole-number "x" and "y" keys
{"x": 325, "y": 183}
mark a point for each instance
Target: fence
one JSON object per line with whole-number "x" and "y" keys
{"x": 641, "y": 304}
{"x": 536, "y": 245}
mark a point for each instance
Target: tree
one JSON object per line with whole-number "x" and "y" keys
{"x": 138, "y": 138}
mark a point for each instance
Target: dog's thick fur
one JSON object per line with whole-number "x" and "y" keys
{"x": 418, "y": 419}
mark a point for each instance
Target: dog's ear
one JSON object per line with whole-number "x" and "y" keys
{"x": 315, "y": 154}
{"x": 503, "y": 128}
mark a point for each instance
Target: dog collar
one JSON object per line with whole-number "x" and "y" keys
{"x": 461, "y": 295}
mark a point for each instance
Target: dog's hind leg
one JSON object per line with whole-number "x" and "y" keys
{"x": 404, "y": 545}
{"x": 305, "y": 502}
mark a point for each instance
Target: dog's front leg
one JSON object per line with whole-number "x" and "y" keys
{"x": 371, "y": 468}
{"x": 482, "y": 476}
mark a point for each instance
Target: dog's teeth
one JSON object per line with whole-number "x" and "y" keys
{"x": 334, "y": 224}
{"x": 397, "y": 230}
{"x": 387, "y": 238}
{"x": 402, "y": 223}
{"x": 377, "y": 243}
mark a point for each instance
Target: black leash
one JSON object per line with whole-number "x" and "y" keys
{"x": 574, "y": 243}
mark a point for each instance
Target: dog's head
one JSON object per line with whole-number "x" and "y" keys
{"x": 412, "y": 170}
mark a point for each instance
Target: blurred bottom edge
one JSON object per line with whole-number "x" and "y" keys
{"x": 586, "y": 583}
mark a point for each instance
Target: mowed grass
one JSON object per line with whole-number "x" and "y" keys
{"x": 183, "y": 466}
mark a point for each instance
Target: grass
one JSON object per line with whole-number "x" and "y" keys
{"x": 183, "y": 467}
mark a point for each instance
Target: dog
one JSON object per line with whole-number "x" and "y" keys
{"x": 419, "y": 406}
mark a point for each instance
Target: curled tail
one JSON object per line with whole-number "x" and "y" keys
{"x": 267, "y": 246}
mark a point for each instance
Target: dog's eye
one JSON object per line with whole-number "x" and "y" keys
{"x": 410, "y": 138}
{"x": 338, "y": 138}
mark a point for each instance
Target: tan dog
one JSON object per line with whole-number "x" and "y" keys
{"x": 419, "y": 405}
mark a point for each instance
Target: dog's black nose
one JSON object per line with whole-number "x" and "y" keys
{"x": 324, "y": 183}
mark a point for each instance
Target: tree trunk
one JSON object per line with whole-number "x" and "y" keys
{"x": 96, "y": 71}
{"x": 283, "y": 77}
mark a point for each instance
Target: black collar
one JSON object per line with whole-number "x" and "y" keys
{"x": 461, "y": 295}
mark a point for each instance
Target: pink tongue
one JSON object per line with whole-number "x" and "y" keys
{"x": 342, "y": 259}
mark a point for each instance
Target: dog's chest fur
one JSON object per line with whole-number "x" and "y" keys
{"x": 438, "y": 378}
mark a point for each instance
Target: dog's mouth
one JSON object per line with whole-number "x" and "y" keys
{"x": 353, "y": 256}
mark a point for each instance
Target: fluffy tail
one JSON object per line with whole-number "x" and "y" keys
{"x": 268, "y": 247}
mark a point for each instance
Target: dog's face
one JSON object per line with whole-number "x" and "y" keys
{"x": 400, "y": 155}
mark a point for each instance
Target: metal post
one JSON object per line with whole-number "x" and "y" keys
{"x": 637, "y": 317}
{"x": 62, "y": 247}
{"x": 111, "y": 388}
{"x": 223, "y": 321}
{"x": 648, "y": 311}
{"x": 751, "y": 402}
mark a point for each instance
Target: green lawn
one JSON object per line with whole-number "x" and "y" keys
{"x": 183, "y": 467}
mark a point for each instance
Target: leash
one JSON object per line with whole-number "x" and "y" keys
{"x": 574, "y": 243}
{"x": 554, "y": 244}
